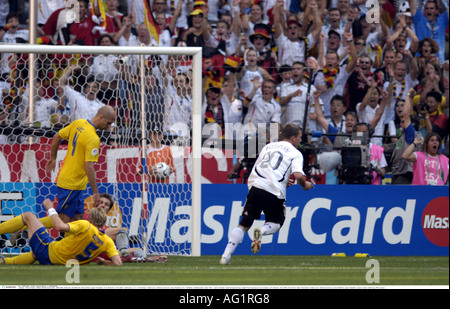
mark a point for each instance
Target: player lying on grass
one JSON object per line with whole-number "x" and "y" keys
{"x": 16, "y": 226}
{"x": 267, "y": 189}
{"x": 84, "y": 241}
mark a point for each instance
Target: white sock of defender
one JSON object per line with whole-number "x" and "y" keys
{"x": 236, "y": 237}
{"x": 270, "y": 228}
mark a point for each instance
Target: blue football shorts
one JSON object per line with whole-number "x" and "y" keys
{"x": 39, "y": 243}
{"x": 70, "y": 202}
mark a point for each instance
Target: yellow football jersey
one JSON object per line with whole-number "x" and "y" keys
{"x": 83, "y": 146}
{"x": 84, "y": 243}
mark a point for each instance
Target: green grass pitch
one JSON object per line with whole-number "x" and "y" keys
{"x": 243, "y": 271}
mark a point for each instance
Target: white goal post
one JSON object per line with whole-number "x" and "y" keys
{"x": 193, "y": 53}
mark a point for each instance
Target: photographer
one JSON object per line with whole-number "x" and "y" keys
{"x": 433, "y": 119}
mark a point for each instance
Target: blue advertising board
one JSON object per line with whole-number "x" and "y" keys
{"x": 379, "y": 220}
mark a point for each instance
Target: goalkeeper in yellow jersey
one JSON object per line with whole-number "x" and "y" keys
{"x": 84, "y": 241}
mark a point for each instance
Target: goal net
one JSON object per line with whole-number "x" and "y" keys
{"x": 156, "y": 93}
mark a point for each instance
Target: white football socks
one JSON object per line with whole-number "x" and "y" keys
{"x": 236, "y": 237}
{"x": 238, "y": 233}
{"x": 270, "y": 228}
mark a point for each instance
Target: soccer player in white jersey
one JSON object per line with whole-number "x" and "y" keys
{"x": 267, "y": 189}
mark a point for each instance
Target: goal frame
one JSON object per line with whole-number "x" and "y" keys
{"x": 196, "y": 140}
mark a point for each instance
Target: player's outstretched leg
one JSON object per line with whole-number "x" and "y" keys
{"x": 12, "y": 225}
{"x": 256, "y": 243}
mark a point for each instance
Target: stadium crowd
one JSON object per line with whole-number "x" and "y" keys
{"x": 354, "y": 61}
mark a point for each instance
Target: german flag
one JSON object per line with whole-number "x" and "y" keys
{"x": 152, "y": 27}
{"x": 234, "y": 63}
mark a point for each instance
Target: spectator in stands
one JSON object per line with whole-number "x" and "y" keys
{"x": 82, "y": 105}
{"x": 57, "y": 27}
{"x": 430, "y": 23}
{"x": 167, "y": 26}
{"x": 256, "y": 17}
{"x": 250, "y": 72}
{"x": 351, "y": 119}
{"x": 145, "y": 37}
{"x": 337, "y": 110}
{"x": 105, "y": 70}
{"x": 427, "y": 53}
{"x": 178, "y": 105}
{"x": 285, "y": 74}
{"x": 334, "y": 43}
{"x": 214, "y": 112}
{"x": 125, "y": 36}
{"x": 44, "y": 106}
{"x": 154, "y": 94}
{"x": 198, "y": 34}
{"x": 402, "y": 81}
{"x": 11, "y": 34}
{"x": 403, "y": 38}
{"x": 433, "y": 119}
{"x": 223, "y": 34}
{"x": 267, "y": 58}
{"x": 332, "y": 78}
{"x": 429, "y": 166}
{"x": 136, "y": 8}
{"x": 431, "y": 77}
{"x": 375, "y": 99}
{"x": 293, "y": 97}
{"x": 82, "y": 33}
{"x": 59, "y": 31}
{"x": 344, "y": 6}
{"x": 402, "y": 170}
{"x": 110, "y": 16}
{"x": 230, "y": 101}
{"x": 388, "y": 59}
{"x": 213, "y": 9}
{"x": 242, "y": 9}
{"x": 160, "y": 7}
{"x": 263, "y": 109}
{"x": 360, "y": 81}
{"x": 334, "y": 22}
{"x": 293, "y": 45}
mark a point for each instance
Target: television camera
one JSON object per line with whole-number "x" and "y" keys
{"x": 356, "y": 166}
{"x": 353, "y": 161}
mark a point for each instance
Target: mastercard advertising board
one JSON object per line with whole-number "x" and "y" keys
{"x": 378, "y": 220}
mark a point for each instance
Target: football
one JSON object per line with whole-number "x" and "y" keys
{"x": 162, "y": 170}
